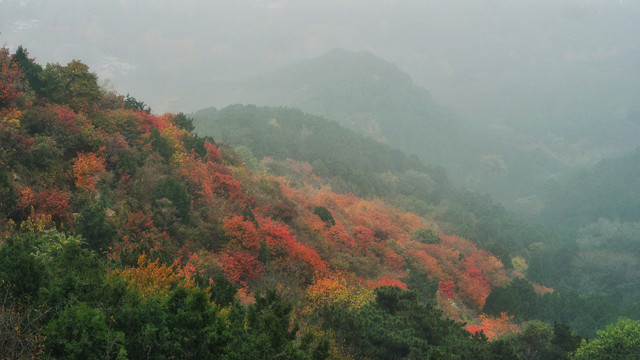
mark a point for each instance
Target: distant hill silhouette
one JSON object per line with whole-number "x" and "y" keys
{"x": 360, "y": 91}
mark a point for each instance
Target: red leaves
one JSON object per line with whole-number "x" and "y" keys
{"x": 447, "y": 289}
{"x": 280, "y": 240}
{"x": 240, "y": 267}
{"x": 11, "y": 83}
{"x": 243, "y": 233}
{"x": 213, "y": 153}
{"x": 364, "y": 236}
{"x": 475, "y": 286}
{"x": 69, "y": 120}
{"x": 51, "y": 206}
{"x": 141, "y": 236}
{"x": 385, "y": 281}
{"x": 150, "y": 121}
{"x": 209, "y": 180}
{"x": 392, "y": 260}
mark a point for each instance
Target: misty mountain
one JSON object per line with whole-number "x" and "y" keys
{"x": 352, "y": 162}
{"x": 373, "y": 97}
{"x": 608, "y": 190}
{"x": 360, "y": 91}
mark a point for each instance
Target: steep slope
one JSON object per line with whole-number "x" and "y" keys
{"x": 350, "y": 162}
{"x": 123, "y": 234}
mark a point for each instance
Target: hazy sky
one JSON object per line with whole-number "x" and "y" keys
{"x": 493, "y": 59}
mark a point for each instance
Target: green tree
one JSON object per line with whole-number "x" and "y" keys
{"x": 183, "y": 122}
{"x": 325, "y": 215}
{"x": 174, "y": 190}
{"x": 426, "y": 236}
{"x": 196, "y": 328}
{"x": 268, "y": 333}
{"x": 132, "y": 103}
{"x": 617, "y": 341}
{"x": 91, "y": 225}
{"x": 19, "y": 268}
{"x": 29, "y": 68}
{"x": 160, "y": 144}
{"x": 397, "y": 326}
{"x": 7, "y": 194}
{"x": 72, "y": 84}
{"x": 80, "y": 332}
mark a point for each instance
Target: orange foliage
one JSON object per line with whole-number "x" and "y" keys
{"x": 473, "y": 328}
{"x": 308, "y": 256}
{"x": 209, "y": 180}
{"x": 474, "y": 286}
{"x": 392, "y": 260}
{"x": 493, "y": 328}
{"x": 282, "y": 242}
{"x": 339, "y": 236}
{"x": 385, "y": 281}
{"x": 242, "y": 232}
{"x": 464, "y": 246}
{"x": 429, "y": 263}
{"x": 492, "y": 268}
{"x": 87, "y": 167}
{"x": 541, "y": 289}
{"x": 364, "y": 236}
{"x": 188, "y": 265}
{"x": 373, "y": 231}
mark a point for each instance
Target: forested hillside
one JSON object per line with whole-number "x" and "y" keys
{"x": 271, "y": 138}
{"x": 125, "y": 235}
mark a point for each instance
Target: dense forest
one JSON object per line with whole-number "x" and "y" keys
{"x": 123, "y": 234}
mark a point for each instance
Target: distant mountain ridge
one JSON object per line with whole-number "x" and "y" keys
{"x": 360, "y": 91}
{"x": 373, "y": 97}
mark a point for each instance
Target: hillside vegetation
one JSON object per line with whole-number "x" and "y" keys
{"x": 271, "y": 139}
{"x": 125, "y": 235}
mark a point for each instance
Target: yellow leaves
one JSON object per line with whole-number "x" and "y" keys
{"x": 337, "y": 291}
{"x": 10, "y": 118}
{"x": 519, "y": 264}
{"x": 174, "y": 137}
{"x": 150, "y": 278}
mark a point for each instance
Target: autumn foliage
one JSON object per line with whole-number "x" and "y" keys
{"x": 87, "y": 168}
{"x": 494, "y": 327}
{"x": 11, "y": 79}
{"x": 149, "y": 277}
{"x": 50, "y": 206}
{"x": 249, "y": 230}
